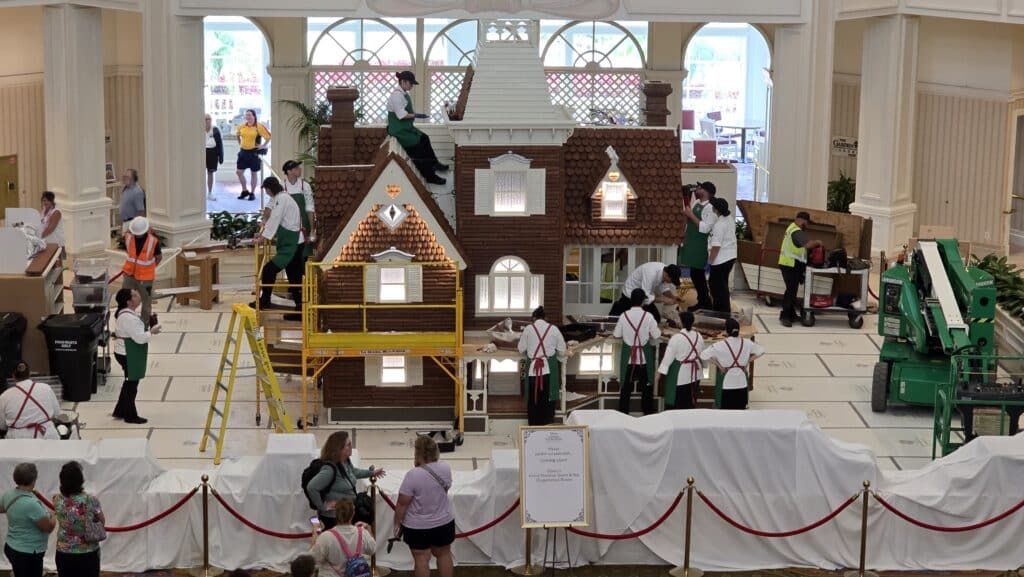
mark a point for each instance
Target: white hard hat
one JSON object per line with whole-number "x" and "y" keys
{"x": 138, "y": 226}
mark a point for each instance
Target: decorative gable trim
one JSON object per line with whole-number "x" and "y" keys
{"x": 491, "y": 194}
{"x": 393, "y": 255}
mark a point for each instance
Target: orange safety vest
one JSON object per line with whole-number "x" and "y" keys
{"x": 140, "y": 266}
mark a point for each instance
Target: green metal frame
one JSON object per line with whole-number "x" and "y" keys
{"x": 969, "y": 370}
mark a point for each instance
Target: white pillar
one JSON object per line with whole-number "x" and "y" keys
{"x": 802, "y": 109}
{"x": 172, "y": 93}
{"x": 287, "y": 83}
{"x": 885, "y": 150}
{"x": 73, "y": 86}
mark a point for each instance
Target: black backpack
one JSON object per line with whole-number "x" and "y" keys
{"x": 837, "y": 258}
{"x": 307, "y": 475}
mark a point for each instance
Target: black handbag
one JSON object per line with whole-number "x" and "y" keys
{"x": 363, "y": 504}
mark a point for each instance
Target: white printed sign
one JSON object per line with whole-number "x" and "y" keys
{"x": 554, "y": 473}
{"x": 844, "y": 146}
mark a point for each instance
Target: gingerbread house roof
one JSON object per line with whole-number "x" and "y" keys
{"x": 649, "y": 158}
{"x": 423, "y": 230}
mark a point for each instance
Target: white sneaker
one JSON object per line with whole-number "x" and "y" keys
{"x": 211, "y": 197}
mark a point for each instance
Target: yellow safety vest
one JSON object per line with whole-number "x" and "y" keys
{"x": 790, "y": 252}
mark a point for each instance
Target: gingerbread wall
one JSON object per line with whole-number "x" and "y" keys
{"x": 538, "y": 240}
{"x": 344, "y": 386}
{"x": 344, "y": 285}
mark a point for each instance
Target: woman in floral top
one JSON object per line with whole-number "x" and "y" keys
{"x": 76, "y": 556}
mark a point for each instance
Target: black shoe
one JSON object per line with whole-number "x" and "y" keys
{"x": 786, "y": 322}
{"x": 136, "y": 421}
{"x": 117, "y": 416}
{"x": 293, "y": 317}
{"x": 435, "y": 179}
{"x": 244, "y": 194}
{"x": 439, "y": 166}
{"x": 252, "y": 196}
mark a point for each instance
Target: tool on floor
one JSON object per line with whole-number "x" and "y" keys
{"x": 243, "y": 322}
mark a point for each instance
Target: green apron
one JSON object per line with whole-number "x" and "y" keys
{"x": 554, "y": 379}
{"x": 624, "y": 363}
{"x": 672, "y": 380}
{"x": 694, "y": 252}
{"x": 402, "y": 128}
{"x": 137, "y": 356}
{"x": 300, "y": 199}
{"x": 287, "y": 242}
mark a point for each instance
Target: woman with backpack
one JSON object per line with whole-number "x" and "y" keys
{"x": 345, "y": 548}
{"x": 336, "y": 478}
{"x": 423, "y": 514}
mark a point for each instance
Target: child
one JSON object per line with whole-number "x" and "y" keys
{"x": 682, "y": 366}
{"x": 732, "y": 356}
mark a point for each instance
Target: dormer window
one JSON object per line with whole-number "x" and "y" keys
{"x": 614, "y": 199}
{"x": 394, "y": 279}
{"x": 509, "y": 187}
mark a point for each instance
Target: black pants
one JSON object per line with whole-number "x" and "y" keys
{"x": 636, "y": 375}
{"x": 24, "y": 564}
{"x": 294, "y": 270}
{"x": 700, "y": 285}
{"x": 423, "y": 156}
{"x": 624, "y": 304}
{"x": 734, "y": 399}
{"x": 718, "y": 282}
{"x": 125, "y": 408}
{"x": 540, "y": 409}
{"x": 78, "y": 564}
{"x": 686, "y": 396}
{"x": 792, "y": 277}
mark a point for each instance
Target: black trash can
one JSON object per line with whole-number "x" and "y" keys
{"x": 12, "y": 330}
{"x": 72, "y": 341}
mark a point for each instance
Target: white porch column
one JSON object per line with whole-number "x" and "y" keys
{"x": 885, "y": 151}
{"x": 287, "y": 83}
{"x": 172, "y": 93}
{"x": 802, "y": 109}
{"x": 73, "y": 85}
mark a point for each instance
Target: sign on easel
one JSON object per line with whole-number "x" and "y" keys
{"x": 554, "y": 476}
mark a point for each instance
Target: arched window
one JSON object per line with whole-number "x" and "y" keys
{"x": 449, "y": 53}
{"x": 596, "y": 68}
{"x": 510, "y": 288}
{"x": 364, "y": 53}
{"x": 236, "y": 57}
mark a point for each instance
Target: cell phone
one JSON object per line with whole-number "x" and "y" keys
{"x": 314, "y": 520}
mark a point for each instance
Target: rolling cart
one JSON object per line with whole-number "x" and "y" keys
{"x": 855, "y": 316}
{"x": 90, "y": 290}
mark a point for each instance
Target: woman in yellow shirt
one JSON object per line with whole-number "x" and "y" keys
{"x": 253, "y": 140}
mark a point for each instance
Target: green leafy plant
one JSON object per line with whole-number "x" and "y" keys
{"x": 1009, "y": 282}
{"x": 225, "y": 225}
{"x": 743, "y": 229}
{"x": 841, "y": 192}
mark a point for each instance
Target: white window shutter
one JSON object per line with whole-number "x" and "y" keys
{"x": 372, "y": 367}
{"x": 483, "y": 198}
{"x": 372, "y": 289}
{"x": 414, "y": 284}
{"x": 413, "y": 371}
{"x": 536, "y": 291}
{"x": 483, "y": 293}
{"x": 536, "y": 191}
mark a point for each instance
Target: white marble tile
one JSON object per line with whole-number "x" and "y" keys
{"x": 150, "y": 389}
{"x": 205, "y": 343}
{"x": 201, "y": 389}
{"x": 189, "y": 365}
{"x": 810, "y": 389}
{"x": 196, "y": 464}
{"x": 886, "y": 464}
{"x": 850, "y": 365}
{"x": 164, "y": 343}
{"x": 760, "y": 327}
{"x": 184, "y": 443}
{"x": 878, "y": 340}
{"x": 789, "y": 365}
{"x": 181, "y": 322}
{"x": 837, "y": 344}
{"x": 898, "y": 417}
{"x": 826, "y": 324}
{"x": 889, "y": 442}
{"x": 826, "y": 415}
{"x": 91, "y": 434}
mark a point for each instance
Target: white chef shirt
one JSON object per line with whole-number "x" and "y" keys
{"x": 707, "y": 217}
{"x": 745, "y": 350}
{"x": 11, "y": 402}
{"x": 300, "y": 187}
{"x": 680, "y": 349}
{"x": 554, "y": 343}
{"x": 723, "y": 235}
{"x": 647, "y": 277}
{"x": 129, "y": 326}
{"x": 396, "y": 103}
{"x": 284, "y": 212}
{"x": 646, "y": 330}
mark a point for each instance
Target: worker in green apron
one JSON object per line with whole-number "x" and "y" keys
{"x": 300, "y": 190}
{"x": 700, "y": 219}
{"x": 682, "y": 367}
{"x": 544, "y": 346}
{"x": 284, "y": 225}
{"x": 131, "y": 349}
{"x": 638, "y": 355}
{"x": 400, "y": 125}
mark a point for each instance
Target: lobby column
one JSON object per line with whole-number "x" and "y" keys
{"x": 289, "y": 80}
{"x": 73, "y": 104}
{"x": 172, "y": 92}
{"x": 802, "y": 109}
{"x": 885, "y": 150}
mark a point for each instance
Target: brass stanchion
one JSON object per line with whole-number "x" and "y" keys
{"x": 206, "y": 570}
{"x": 686, "y": 570}
{"x": 860, "y": 572}
{"x": 528, "y": 568}
{"x": 374, "y": 569}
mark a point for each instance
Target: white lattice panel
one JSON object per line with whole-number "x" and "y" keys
{"x": 374, "y": 89}
{"x": 615, "y": 92}
{"x": 444, "y": 87}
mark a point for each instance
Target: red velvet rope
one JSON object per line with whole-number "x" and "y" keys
{"x": 470, "y": 533}
{"x": 931, "y": 527}
{"x": 773, "y": 534}
{"x": 256, "y": 527}
{"x": 634, "y": 534}
{"x": 136, "y": 526}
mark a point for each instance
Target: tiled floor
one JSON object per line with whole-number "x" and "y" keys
{"x": 823, "y": 370}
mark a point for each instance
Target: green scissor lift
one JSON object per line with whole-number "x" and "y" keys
{"x": 974, "y": 382}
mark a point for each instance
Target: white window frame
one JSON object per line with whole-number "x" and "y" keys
{"x": 604, "y": 356}
{"x": 593, "y": 286}
{"x": 486, "y": 192}
{"x": 412, "y": 278}
{"x": 622, "y": 203}
{"x": 396, "y": 286}
{"x": 508, "y": 270}
{"x": 393, "y": 371}
{"x": 378, "y": 374}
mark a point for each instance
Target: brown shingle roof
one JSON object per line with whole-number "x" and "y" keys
{"x": 649, "y": 160}
{"x": 412, "y": 235}
{"x": 368, "y": 141}
{"x": 323, "y": 146}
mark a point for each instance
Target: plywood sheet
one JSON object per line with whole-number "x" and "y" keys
{"x": 851, "y": 227}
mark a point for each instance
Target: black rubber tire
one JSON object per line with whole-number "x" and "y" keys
{"x": 808, "y": 320}
{"x": 856, "y": 321}
{"x": 880, "y": 387}
{"x": 459, "y": 439}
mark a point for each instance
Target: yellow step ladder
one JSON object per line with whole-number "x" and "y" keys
{"x": 243, "y": 323}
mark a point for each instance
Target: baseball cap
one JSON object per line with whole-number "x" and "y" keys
{"x": 290, "y": 164}
{"x": 804, "y": 215}
{"x": 708, "y": 186}
{"x": 407, "y": 75}
{"x": 721, "y": 205}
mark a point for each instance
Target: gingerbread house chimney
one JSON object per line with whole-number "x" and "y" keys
{"x": 656, "y": 102}
{"x": 343, "y": 124}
